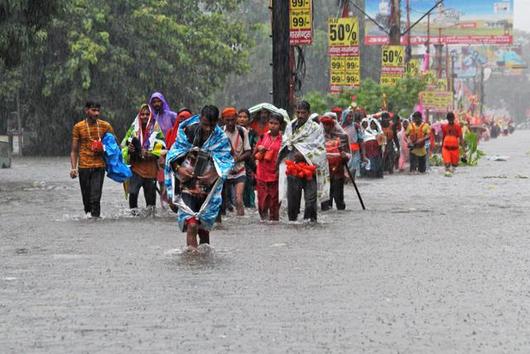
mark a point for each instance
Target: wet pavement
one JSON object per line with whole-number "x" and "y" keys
{"x": 436, "y": 265}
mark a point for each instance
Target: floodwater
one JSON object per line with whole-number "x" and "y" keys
{"x": 435, "y": 265}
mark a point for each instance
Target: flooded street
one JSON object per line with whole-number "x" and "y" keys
{"x": 435, "y": 264}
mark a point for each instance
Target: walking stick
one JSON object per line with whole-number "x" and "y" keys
{"x": 355, "y": 186}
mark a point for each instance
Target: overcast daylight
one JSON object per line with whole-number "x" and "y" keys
{"x": 264, "y": 176}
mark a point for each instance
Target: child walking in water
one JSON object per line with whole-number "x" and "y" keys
{"x": 266, "y": 154}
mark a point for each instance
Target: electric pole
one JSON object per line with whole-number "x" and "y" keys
{"x": 345, "y": 9}
{"x": 281, "y": 69}
{"x": 482, "y": 93}
{"x": 408, "y": 52}
{"x": 395, "y": 22}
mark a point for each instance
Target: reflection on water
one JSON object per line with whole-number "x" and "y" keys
{"x": 354, "y": 282}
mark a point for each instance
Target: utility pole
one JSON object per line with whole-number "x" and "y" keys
{"x": 281, "y": 52}
{"x": 447, "y": 72}
{"x": 408, "y": 51}
{"x": 428, "y": 44}
{"x": 395, "y": 22}
{"x": 345, "y": 9}
{"x": 19, "y": 124}
{"x": 438, "y": 48}
{"x": 408, "y": 21}
{"x": 482, "y": 94}
{"x": 428, "y": 57}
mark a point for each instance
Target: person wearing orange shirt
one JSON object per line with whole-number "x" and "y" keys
{"x": 452, "y": 140}
{"x": 86, "y": 157}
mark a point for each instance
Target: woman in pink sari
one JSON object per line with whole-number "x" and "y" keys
{"x": 404, "y": 156}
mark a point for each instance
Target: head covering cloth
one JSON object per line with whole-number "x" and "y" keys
{"x": 165, "y": 117}
{"x": 369, "y": 132}
{"x": 229, "y": 112}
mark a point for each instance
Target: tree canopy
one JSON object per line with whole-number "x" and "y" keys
{"x": 116, "y": 52}
{"x": 400, "y": 98}
{"x": 56, "y": 54}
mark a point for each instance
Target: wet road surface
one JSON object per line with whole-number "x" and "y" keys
{"x": 435, "y": 265}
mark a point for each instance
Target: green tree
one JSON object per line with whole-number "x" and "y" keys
{"x": 20, "y": 20}
{"x": 21, "y": 24}
{"x": 404, "y": 96}
{"x": 401, "y": 98}
{"x": 120, "y": 51}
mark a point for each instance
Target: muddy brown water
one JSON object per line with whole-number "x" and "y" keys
{"x": 435, "y": 265}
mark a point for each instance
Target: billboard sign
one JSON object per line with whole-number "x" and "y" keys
{"x": 453, "y": 22}
{"x": 506, "y": 60}
{"x": 437, "y": 101}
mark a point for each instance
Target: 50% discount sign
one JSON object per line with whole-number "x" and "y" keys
{"x": 343, "y": 32}
{"x": 393, "y": 55}
{"x": 392, "y": 64}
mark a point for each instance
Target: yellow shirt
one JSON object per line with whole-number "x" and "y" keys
{"x": 413, "y": 129}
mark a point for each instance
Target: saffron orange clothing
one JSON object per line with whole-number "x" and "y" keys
{"x": 258, "y": 129}
{"x": 452, "y": 130}
{"x": 172, "y": 134}
{"x": 415, "y": 133}
{"x": 84, "y": 133}
{"x": 451, "y": 157}
{"x": 451, "y": 144}
{"x": 146, "y": 168}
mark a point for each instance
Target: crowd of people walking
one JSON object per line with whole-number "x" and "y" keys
{"x": 209, "y": 164}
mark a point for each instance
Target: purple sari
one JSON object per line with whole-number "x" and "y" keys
{"x": 165, "y": 117}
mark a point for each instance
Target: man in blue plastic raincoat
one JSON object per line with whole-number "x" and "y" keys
{"x": 200, "y": 159}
